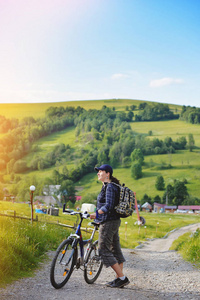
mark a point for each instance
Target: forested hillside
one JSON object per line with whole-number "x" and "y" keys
{"x": 99, "y": 136}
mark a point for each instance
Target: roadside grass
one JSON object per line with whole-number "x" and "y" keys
{"x": 23, "y": 246}
{"x": 188, "y": 245}
{"x": 156, "y": 226}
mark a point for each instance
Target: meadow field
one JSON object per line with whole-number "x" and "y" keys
{"x": 172, "y": 128}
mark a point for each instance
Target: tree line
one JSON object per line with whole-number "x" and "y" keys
{"x": 155, "y": 112}
{"x": 173, "y": 194}
{"x": 190, "y": 114}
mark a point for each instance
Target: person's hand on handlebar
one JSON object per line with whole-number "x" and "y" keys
{"x": 93, "y": 216}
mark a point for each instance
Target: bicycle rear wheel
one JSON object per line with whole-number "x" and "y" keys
{"x": 93, "y": 266}
{"x": 62, "y": 264}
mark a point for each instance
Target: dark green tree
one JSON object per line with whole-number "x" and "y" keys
{"x": 130, "y": 116}
{"x": 168, "y": 194}
{"x": 191, "y": 142}
{"x": 137, "y": 156}
{"x": 136, "y": 170}
{"x": 160, "y": 183}
{"x": 145, "y": 199}
{"x": 56, "y": 177}
{"x": 180, "y": 192}
{"x": 157, "y": 199}
{"x": 132, "y": 107}
{"x": 68, "y": 191}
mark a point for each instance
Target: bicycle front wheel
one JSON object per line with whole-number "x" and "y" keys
{"x": 93, "y": 266}
{"x": 62, "y": 264}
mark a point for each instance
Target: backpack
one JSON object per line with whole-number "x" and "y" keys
{"x": 126, "y": 204}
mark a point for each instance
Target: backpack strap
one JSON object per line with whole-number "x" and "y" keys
{"x": 116, "y": 198}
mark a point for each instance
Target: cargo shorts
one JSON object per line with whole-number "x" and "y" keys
{"x": 109, "y": 244}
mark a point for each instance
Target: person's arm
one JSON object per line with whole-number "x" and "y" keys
{"x": 110, "y": 199}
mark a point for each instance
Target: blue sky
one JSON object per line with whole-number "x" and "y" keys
{"x": 63, "y": 50}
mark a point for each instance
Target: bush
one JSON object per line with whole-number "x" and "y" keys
{"x": 20, "y": 166}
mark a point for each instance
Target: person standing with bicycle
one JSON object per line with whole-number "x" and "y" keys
{"x": 109, "y": 245}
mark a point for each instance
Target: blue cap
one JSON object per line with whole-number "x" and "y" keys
{"x": 106, "y": 168}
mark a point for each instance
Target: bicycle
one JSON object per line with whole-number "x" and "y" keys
{"x": 66, "y": 258}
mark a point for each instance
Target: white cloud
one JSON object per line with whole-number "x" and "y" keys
{"x": 119, "y": 76}
{"x": 165, "y": 81}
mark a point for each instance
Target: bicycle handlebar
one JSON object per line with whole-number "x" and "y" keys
{"x": 84, "y": 215}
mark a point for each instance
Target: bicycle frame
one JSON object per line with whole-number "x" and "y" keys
{"x": 79, "y": 239}
{"x": 67, "y": 257}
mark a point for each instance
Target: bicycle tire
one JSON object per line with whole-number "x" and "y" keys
{"x": 62, "y": 264}
{"x": 93, "y": 266}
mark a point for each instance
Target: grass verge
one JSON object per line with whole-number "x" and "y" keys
{"x": 23, "y": 246}
{"x": 188, "y": 245}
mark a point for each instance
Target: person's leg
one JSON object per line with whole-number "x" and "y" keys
{"x": 116, "y": 248}
{"x": 121, "y": 266}
{"x": 106, "y": 232}
{"x": 118, "y": 270}
{"x": 120, "y": 280}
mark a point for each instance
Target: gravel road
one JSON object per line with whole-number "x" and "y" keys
{"x": 154, "y": 273}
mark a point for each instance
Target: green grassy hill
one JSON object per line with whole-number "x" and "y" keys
{"x": 37, "y": 110}
{"x": 185, "y": 164}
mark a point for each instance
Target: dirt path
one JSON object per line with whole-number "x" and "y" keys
{"x": 155, "y": 273}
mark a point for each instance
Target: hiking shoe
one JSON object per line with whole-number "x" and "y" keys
{"x": 118, "y": 283}
{"x": 111, "y": 282}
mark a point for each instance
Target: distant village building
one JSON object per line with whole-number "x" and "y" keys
{"x": 48, "y": 200}
{"x": 147, "y": 207}
{"x": 52, "y": 190}
{"x": 51, "y": 196}
{"x": 170, "y": 208}
{"x": 189, "y": 208}
{"x": 8, "y": 197}
{"x": 161, "y": 208}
